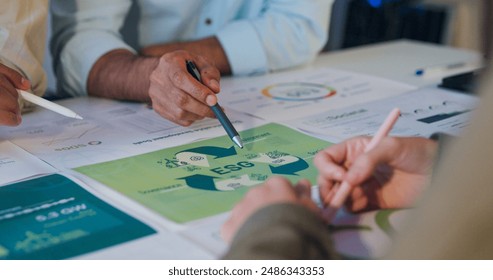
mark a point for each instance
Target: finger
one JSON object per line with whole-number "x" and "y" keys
{"x": 239, "y": 210}
{"x": 9, "y": 99}
{"x": 347, "y": 150}
{"x": 210, "y": 74}
{"x": 365, "y": 164}
{"x": 356, "y": 193}
{"x": 324, "y": 185}
{"x": 357, "y": 200}
{"x": 6, "y": 87}
{"x": 358, "y": 205}
{"x": 279, "y": 190}
{"x": 276, "y": 182}
{"x": 187, "y": 83}
{"x": 9, "y": 119}
{"x": 328, "y": 166}
{"x": 303, "y": 188}
{"x": 191, "y": 105}
{"x": 17, "y": 80}
{"x": 240, "y": 213}
{"x": 227, "y": 230}
{"x": 323, "y": 182}
{"x": 327, "y": 192}
{"x": 181, "y": 109}
{"x": 331, "y": 161}
{"x": 250, "y": 203}
{"x": 330, "y": 194}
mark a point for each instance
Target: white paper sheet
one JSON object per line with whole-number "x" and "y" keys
{"x": 109, "y": 130}
{"x": 171, "y": 241}
{"x": 207, "y": 233}
{"x": 291, "y": 95}
{"x": 17, "y": 164}
{"x": 167, "y": 243}
{"x": 423, "y": 112}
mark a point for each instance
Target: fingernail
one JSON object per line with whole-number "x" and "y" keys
{"x": 214, "y": 84}
{"x": 211, "y": 100}
{"x": 25, "y": 82}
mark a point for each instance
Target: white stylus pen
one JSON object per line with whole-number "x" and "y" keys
{"x": 48, "y": 104}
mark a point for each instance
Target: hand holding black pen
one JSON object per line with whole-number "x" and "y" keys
{"x": 223, "y": 119}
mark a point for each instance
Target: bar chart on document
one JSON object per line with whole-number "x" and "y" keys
{"x": 423, "y": 112}
{"x": 284, "y": 96}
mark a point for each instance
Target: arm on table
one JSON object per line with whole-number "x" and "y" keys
{"x": 164, "y": 81}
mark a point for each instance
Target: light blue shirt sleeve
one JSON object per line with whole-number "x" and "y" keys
{"x": 286, "y": 34}
{"x": 83, "y": 31}
{"x": 257, "y": 36}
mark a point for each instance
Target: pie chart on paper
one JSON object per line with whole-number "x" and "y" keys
{"x": 298, "y": 91}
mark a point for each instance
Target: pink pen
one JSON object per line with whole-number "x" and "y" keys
{"x": 344, "y": 189}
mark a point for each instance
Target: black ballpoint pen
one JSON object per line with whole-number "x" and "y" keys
{"x": 223, "y": 119}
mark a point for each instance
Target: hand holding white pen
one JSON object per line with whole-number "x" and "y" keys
{"x": 338, "y": 198}
{"x": 48, "y": 104}
{"x": 10, "y": 82}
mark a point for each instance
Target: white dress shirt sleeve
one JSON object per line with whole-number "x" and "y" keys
{"x": 286, "y": 34}
{"x": 83, "y": 31}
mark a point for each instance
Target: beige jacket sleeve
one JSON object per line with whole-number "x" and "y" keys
{"x": 282, "y": 231}
{"x": 454, "y": 219}
{"x": 22, "y": 39}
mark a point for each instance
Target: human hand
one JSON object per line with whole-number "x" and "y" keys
{"x": 176, "y": 95}
{"x": 10, "y": 80}
{"x": 275, "y": 190}
{"x": 391, "y": 175}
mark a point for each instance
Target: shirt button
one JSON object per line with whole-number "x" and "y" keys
{"x": 208, "y": 21}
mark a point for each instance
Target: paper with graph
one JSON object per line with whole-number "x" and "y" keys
{"x": 289, "y": 95}
{"x": 208, "y": 177}
{"x": 423, "y": 112}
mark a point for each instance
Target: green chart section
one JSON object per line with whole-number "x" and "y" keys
{"x": 205, "y": 178}
{"x": 53, "y": 218}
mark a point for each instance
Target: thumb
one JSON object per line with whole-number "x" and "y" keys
{"x": 361, "y": 170}
{"x": 365, "y": 164}
{"x": 17, "y": 80}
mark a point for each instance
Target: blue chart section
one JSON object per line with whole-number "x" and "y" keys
{"x": 53, "y": 218}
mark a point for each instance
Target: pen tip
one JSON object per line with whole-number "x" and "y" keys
{"x": 78, "y": 117}
{"x": 238, "y": 141}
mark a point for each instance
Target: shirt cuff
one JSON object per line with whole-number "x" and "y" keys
{"x": 81, "y": 53}
{"x": 237, "y": 37}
